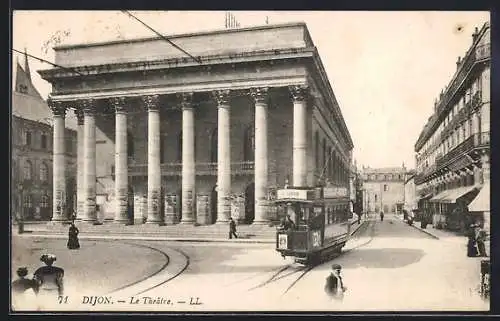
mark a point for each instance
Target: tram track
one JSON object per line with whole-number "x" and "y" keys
{"x": 301, "y": 271}
{"x": 129, "y": 290}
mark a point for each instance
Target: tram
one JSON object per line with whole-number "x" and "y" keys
{"x": 321, "y": 222}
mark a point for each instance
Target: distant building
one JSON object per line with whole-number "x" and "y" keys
{"x": 384, "y": 189}
{"x": 410, "y": 193}
{"x": 31, "y": 166}
{"x": 453, "y": 149}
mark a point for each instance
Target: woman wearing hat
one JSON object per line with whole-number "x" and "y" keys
{"x": 21, "y": 289}
{"x": 334, "y": 286}
{"x": 50, "y": 280}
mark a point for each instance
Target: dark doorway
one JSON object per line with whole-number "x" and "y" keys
{"x": 179, "y": 206}
{"x": 70, "y": 197}
{"x": 213, "y": 205}
{"x": 250, "y": 203}
{"x": 130, "y": 207}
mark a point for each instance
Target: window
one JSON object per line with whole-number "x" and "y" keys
{"x": 213, "y": 146}
{"x": 249, "y": 144}
{"x": 386, "y": 187}
{"x": 375, "y": 197}
{"x": 316, "y": 144}
{"x": 44, "y": 141}
{"x": 44, "y": 172}
{"x": 28, "y": 201}
{"x": 27, "y": 138}
{"x": 179, "y": 147}
{"x": 130, "y": 145}
{"x": 27, "y": 170}
{"x": 44, "y": 201}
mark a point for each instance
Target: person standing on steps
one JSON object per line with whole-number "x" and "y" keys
{"x": 232, "y": 229}
{"x": 73, "y": 243}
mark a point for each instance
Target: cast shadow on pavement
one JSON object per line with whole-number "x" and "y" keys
{"x": 383, "y": 258}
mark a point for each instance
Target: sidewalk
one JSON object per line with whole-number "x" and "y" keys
{"x": 437, "y": 233}
{"x": 176, "y": 233}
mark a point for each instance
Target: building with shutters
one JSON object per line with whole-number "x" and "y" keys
{"x": 32, "y": 141}
{"x": 453, "y": 149}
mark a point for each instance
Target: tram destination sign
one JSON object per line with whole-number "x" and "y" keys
{"x": 297, "y": 194}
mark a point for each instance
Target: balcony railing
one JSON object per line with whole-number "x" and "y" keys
{"x": 474, "y": 141}
{"x": 175, "y": 169}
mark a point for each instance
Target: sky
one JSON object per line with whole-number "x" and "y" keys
{"x": 386, "y": 68}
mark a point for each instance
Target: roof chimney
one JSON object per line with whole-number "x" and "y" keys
{"x": 458, "y": 61}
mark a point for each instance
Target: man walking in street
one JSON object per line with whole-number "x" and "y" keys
{"x": 232, "y": 228}
{"x": 334, "y": 286}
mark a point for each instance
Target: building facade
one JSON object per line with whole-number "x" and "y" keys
{"x": 31, "y": 165}
{"x": 171, "y": 138}
{"x": 452, "y": 151}
{"x": 384, "y": 189}
{"x": 410, "y": 194}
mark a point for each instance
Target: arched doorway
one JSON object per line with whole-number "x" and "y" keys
{"x": 250, "y": 203}
{"x": 130, "y": 205}
{"x": 213, "y": 205}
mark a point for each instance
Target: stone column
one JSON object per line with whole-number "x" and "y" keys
{"x": 80, "y": 187}
{"x": 121, "y": 160}
{"x": 89, "y": 165}
{"x": 261, "y": 167}
{"x": 188, "y": 159}
{"x": 223, "y": 157}
{"x": 299, "y": 96}
{"x": 59, "y": 162}
{"x": 154, "y": 169}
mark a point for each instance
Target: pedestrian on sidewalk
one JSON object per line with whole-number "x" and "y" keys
{"x": 480, "y": 235}
{"x": 232, "y": 229}
{"x": 381, "y": 216}
{"x": 334, "y": 286}
{"x": 73, "y": 243}
{"x": 471, "y": 241}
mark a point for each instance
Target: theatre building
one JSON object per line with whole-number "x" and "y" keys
{"x": 453, "y": 149}
{"x": 168, "y": 138}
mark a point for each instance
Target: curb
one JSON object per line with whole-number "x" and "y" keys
{"x": 152, "y": 238}
{"x": 421, "y": 229}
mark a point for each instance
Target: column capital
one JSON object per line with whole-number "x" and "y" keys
{"x": 57, "y": 107}
{"x": 88, "y": 106}
{"x": 119, "y": 103}
{"x": 186, "y": 100}
{"x": 79, "y": 115}
{"x": 221, "y": 97}
{"x": 259, "y": 95}
{"x": 299, "y": 92}
{"x": 152, "y": 102}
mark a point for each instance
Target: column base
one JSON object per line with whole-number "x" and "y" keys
{"x": 120, "y": 221}
{"x": 187, "y": 221}
{"x": 220, "y": 222}
{"x": 59, "y": 222}
{"x": 260, "y": 222}
{"x": 154, "y": 222}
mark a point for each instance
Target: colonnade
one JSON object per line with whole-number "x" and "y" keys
{"x": 85, "y": 111}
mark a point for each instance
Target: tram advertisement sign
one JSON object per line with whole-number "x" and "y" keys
{"x": 299, "y": 194}
{"x": 333, "y": 192}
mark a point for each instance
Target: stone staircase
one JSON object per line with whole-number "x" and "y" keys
{"x": 155, "y": 230}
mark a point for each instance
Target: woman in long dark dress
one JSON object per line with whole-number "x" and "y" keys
{"x": 471, "y": 242}
{"x": 73, "y": 243}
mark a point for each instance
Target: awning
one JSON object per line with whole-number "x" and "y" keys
{"x": 439, "y": 196}
{"x": 426, "y": 196}
{"x": 482, "y": 201}
{"x": 456, "y": 193}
